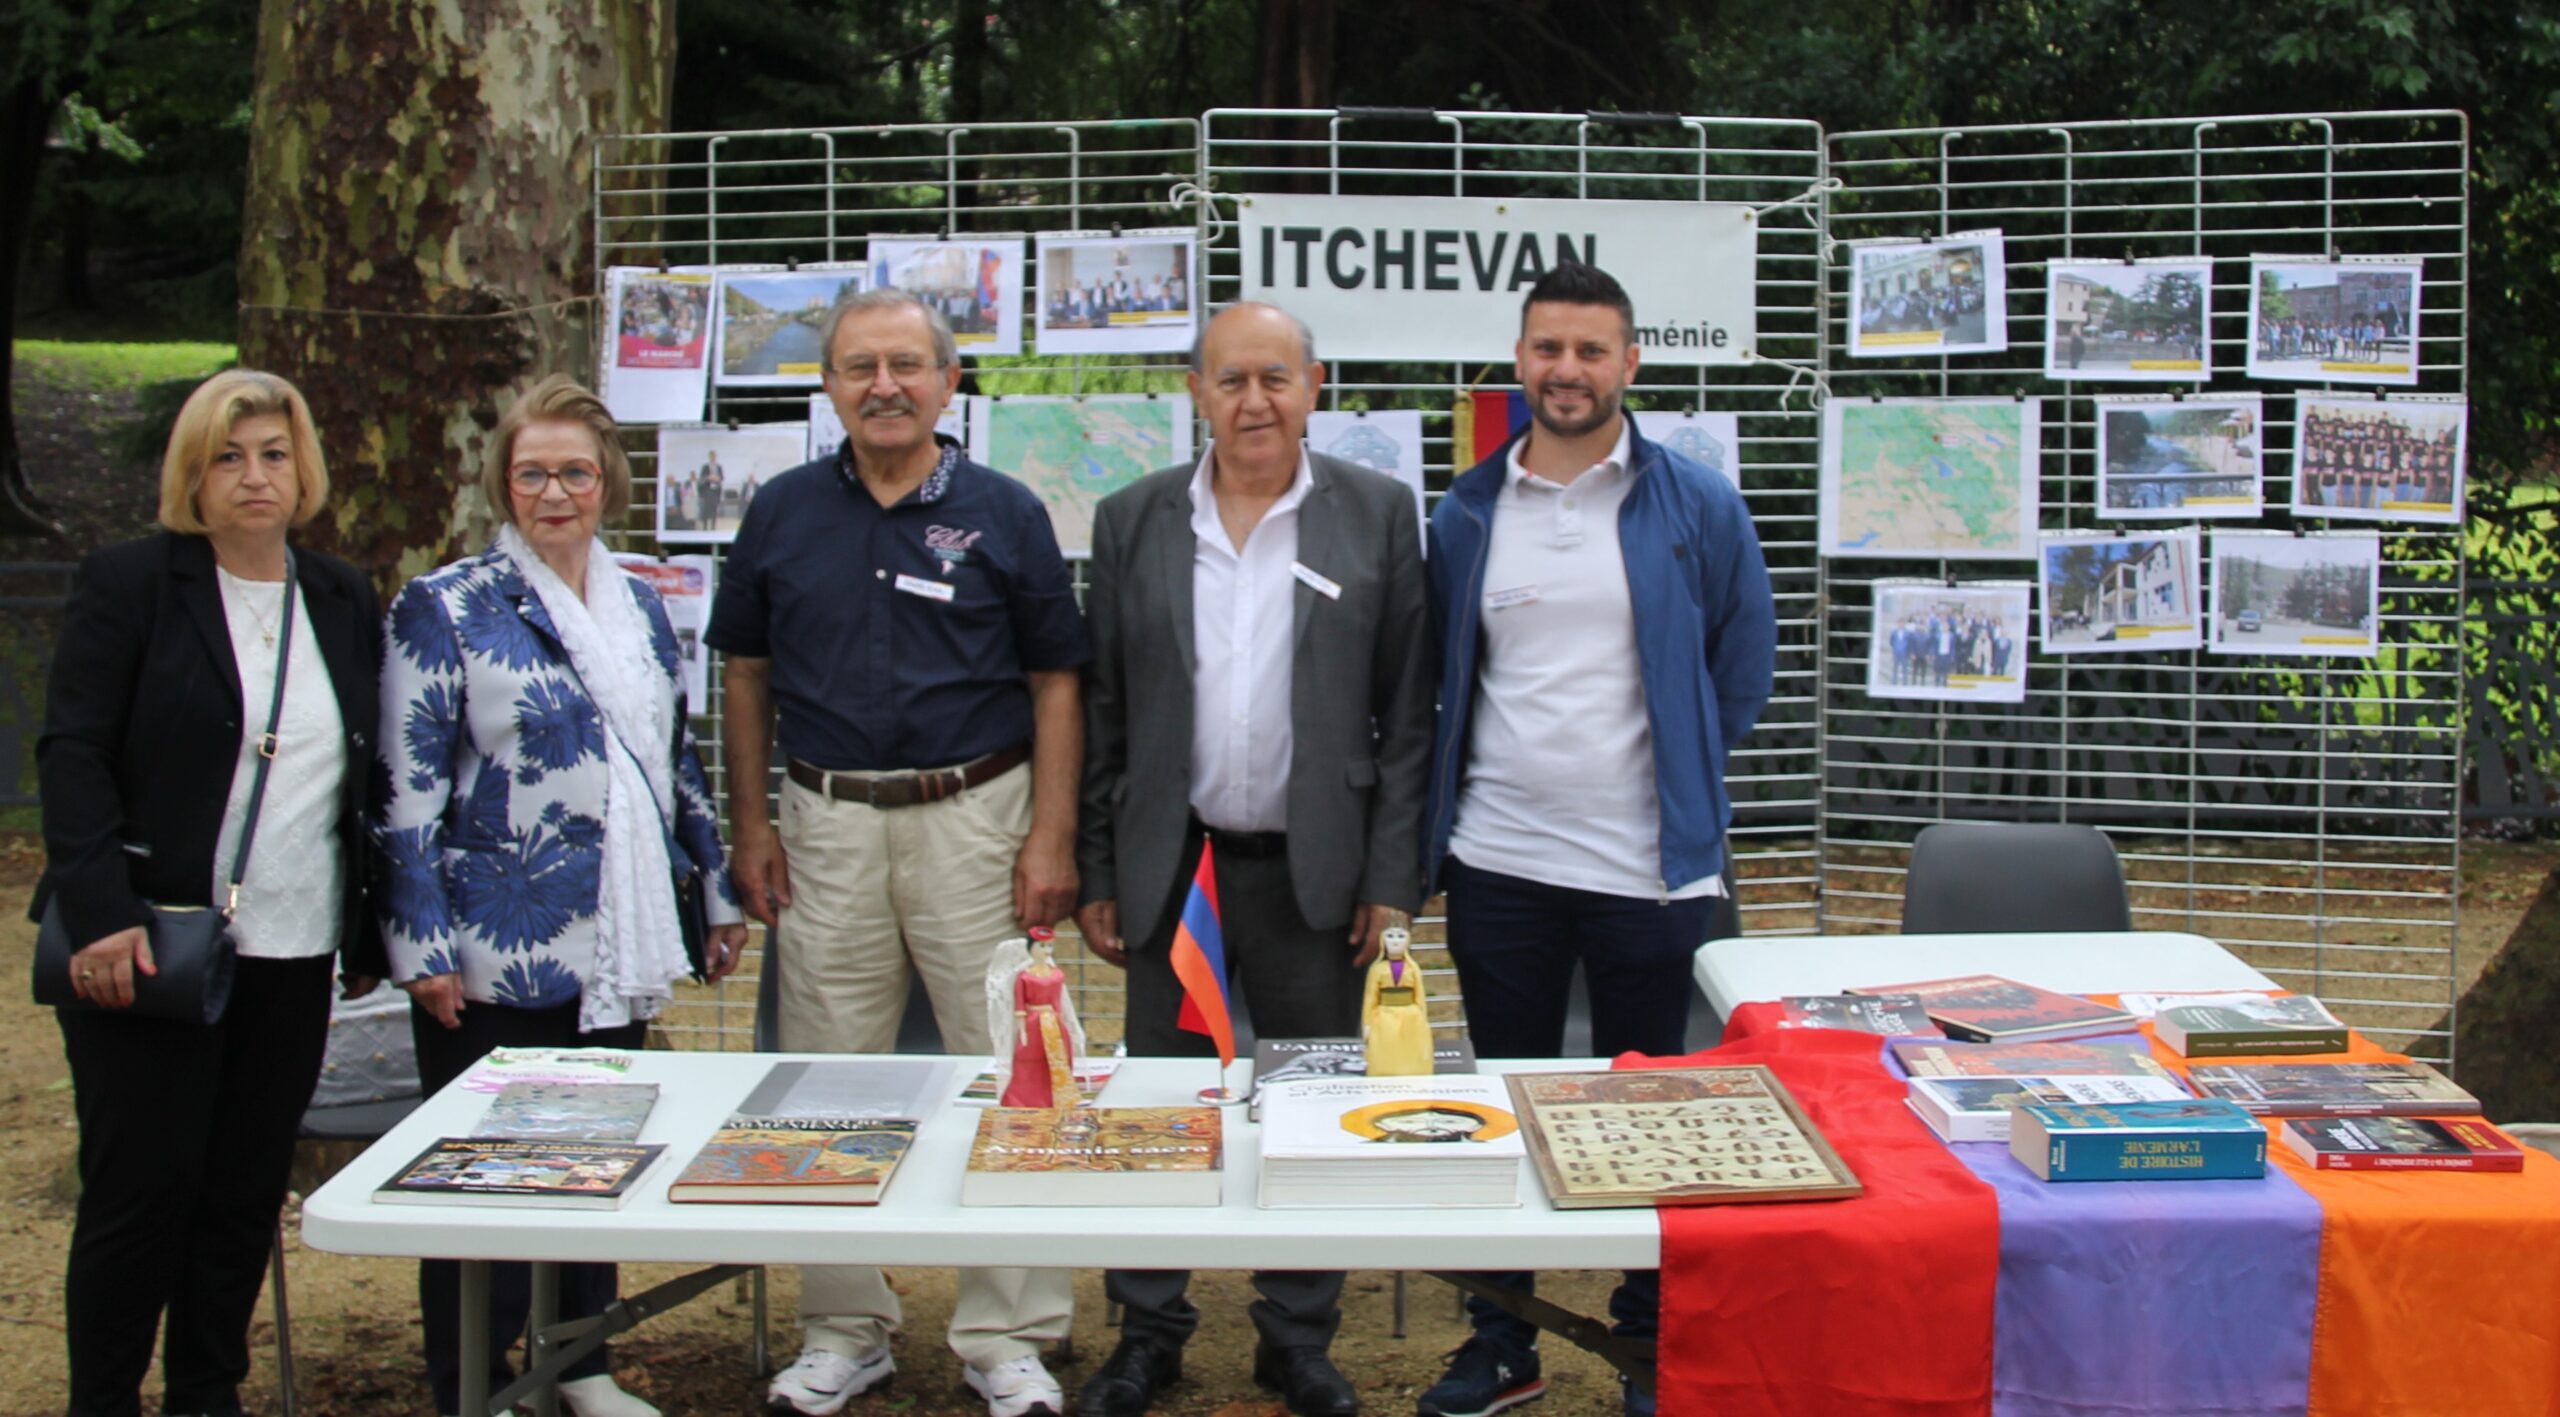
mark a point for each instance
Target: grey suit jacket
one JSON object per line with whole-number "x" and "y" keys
{"x": 1360, "y": 685}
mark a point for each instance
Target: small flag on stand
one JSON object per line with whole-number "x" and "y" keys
{"x": 1486, "y": 418}
{"x": 1200, "y": 962}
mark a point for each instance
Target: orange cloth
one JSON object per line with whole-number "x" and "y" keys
{"x": 2439, "y": 1293}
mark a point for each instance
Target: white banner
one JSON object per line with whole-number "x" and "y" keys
{"x": 1443, "y": 277}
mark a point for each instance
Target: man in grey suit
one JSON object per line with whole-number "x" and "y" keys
{"x": 1262, "y": 681}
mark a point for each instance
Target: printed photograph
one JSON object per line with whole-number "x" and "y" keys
{"x": 2346, "y": 322}
{"x": 2159, "y": 458}
{"x": 2129, "y": 321}
{"x": 773, "y": 321}
{"x": 977, "y": 285}
{"x": 657, "y": 364}
{"x": 2108, "y": 592}
{"x": 707, "y": 476}
{"x": 1117, "y": 294}
{"x": 2370, "y": 459}
{"x": 1387, "y": 440}
{"x": 1949, "y": 643}
{"x": 1074, "y": 451}
{"x": 2275, "y": 594}
{"x": 1934, "y": 479}
{"x": 1712, "y": 440}
{"x": 1947, "y": 296}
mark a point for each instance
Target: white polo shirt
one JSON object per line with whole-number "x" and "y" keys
{"x": 1560, "y": 779}
{"x": 1243, "y": 612}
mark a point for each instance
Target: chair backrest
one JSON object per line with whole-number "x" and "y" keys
{"x": 2003, "y": 877}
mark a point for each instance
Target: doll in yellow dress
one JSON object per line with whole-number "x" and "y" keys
{"x": 1395, "y": 1012}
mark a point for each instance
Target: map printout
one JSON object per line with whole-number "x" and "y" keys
{"x": 1074, "y": 452}
{"x": 1930, "y": 478}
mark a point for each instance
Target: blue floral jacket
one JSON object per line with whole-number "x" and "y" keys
{"x": 492, "y": 832}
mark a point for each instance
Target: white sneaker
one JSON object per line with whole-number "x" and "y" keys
{"x": 601, "y": 1396}
{"x": 823, "y": 1381}
{"x": 1019, "y": 1388}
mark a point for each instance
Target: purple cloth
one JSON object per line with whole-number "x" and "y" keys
{"x": 2149, "y": 1298}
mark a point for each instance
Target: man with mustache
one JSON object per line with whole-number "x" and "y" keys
{"x": 1260, "y": 685}
{"x": 1607, "y": 636}
{"x": 900, "y": 621}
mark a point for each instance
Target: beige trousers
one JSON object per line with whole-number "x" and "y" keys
{"x": 872, "y": 891}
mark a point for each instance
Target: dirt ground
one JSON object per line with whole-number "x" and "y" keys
{"x": 356, "y": 1332}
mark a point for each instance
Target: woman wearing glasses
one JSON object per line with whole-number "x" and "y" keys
{"x": 544, "y": 799}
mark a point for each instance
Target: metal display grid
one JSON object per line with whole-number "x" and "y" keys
{"x": 2304, "y": 812}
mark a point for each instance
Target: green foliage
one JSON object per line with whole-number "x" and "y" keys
{"x": 118, "y": 366}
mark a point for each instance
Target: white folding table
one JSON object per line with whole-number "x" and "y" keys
{"x": 921, "y": 1222}
{"x": 1761, "y": 968}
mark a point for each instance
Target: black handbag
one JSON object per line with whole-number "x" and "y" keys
{"x": 191, "y": 946}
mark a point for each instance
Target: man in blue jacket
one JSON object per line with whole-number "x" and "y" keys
{"x": 1607, "y": 636}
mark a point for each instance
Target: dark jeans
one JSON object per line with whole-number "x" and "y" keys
{"x": 186, "y": 1136}
{"x": 1516, "y": 944}
{"x": 585, "y": 1289}
{"x": 1297, "y": 982}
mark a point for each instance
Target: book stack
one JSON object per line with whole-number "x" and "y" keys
{"x": 1980, "y": 1108}
{"x": 2106, "y": 1057}
{"x": 1289, "y": 1059}
{"x": 1985, "y": 1008}
{"x": 1406, "y": 1141}
{"x": 822, "y": 1132}
{"x": 1096, "y": 1156}
{"x": 2335, "y": 1089}
{"x": 2199, "y": 1139}
{"x": 564, "y": 1145}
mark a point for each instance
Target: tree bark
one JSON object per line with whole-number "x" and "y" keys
{"x": 417, "y": 241}
{"x": 27, "y": 109}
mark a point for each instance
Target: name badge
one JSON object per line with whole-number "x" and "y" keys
{"x": 1315, "y": 581}
{"x": 930, "y": 590}
{"x": 1505, "y": 599}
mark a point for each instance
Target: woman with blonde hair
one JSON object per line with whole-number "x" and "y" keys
{"x": 546, "y": 800}
{"x": 164, "y": 683}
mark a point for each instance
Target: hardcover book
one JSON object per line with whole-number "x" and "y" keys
{"x": 2291, "y": 1023}
{"x": 2335, "y": 1089}
{"x": 501, "y": 1066}
{"x": 1442, "y": 1140}
{"x": 795, "y": 1161}
{"x": 2109, "y": 1056}
{"x": 872, "y": 1089}
{"x": 1889, "y": 1014}
{"x": 1674, "y": 1136}
{"x": 2199, "y": 1139}
{"x": 569, "y": 1111}
{"x": 2403, "y": 1144}
{"x": 570, "y": 1175}
{"x": 1090, "y": 1156}
{"x": 1980, "y": 1109}
{"x": 1985, "y": 1008}
{"x": 1277, "y": 1060}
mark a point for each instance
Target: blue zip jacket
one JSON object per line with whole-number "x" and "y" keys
{"x": 1706, "y": 633}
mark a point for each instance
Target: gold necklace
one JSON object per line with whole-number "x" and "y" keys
{"x": 266, "y": 623}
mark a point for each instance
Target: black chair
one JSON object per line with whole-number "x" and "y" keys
{"x": 2008, "y": 878}
{"x": 362, "y": 1123}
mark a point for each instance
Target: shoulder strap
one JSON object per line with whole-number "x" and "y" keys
{"x": 266, "y": 740}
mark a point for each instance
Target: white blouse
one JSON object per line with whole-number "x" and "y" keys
{"x": 292, "y": 903}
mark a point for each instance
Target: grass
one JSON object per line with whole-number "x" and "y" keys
{"x": 109, "y": 365}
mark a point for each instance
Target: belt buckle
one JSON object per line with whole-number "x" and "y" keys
{"x": 870, "y": 791}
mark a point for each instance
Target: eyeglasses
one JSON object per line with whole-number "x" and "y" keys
{"x": 905, "y": 368}
{"x": 577, "y": 478}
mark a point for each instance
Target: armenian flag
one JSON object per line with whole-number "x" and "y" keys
{"x": 1200, "y": 962}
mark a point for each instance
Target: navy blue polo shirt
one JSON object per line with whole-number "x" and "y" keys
{"x": 899, "y": 635}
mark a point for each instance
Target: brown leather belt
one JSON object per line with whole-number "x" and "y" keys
{"x": 906, "y": 789}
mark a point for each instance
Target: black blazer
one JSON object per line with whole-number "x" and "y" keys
{"x": 142, "y": 731}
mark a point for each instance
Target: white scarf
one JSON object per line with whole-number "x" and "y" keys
{"x": 639, "y": 941}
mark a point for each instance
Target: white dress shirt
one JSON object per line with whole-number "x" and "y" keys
{"x": 1243, "y": 605}
{"x": 1560, "y": 778}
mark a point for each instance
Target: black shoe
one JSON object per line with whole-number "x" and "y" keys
{"x": 1306, "y": 1379}
{"x": 1485, "y": 1376}
{"x": 1130, "y": 1378}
